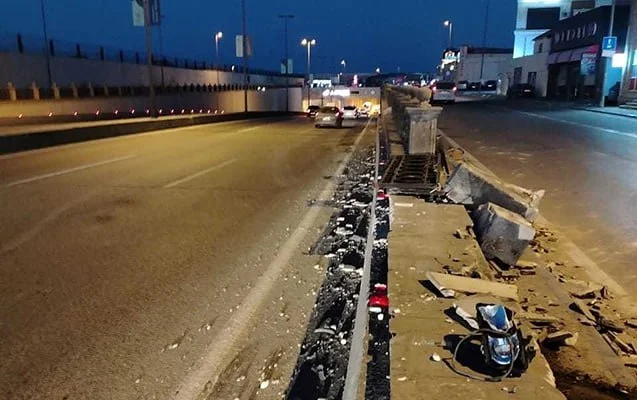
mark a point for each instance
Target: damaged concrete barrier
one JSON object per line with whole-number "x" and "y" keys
{"x": 469, "y": 185}
{"x": 502, "y": 234}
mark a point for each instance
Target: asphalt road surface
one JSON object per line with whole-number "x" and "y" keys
{"x": 586, "y": 161}
{"x": 148, "y": 266}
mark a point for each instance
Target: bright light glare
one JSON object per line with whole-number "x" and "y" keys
{"x": 219, "y": 35}
{"x": 619, "y": 60}
{"x": 446, "y": 23}
{"x": 304, "y": 42}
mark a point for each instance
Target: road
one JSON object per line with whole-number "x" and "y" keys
{"x": 146, "y": 266}
{"x": 586, "y": 161}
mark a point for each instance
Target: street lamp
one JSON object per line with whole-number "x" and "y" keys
{"x": 218, "y": 36}
{"x": 308, "y": 43}
{"x": 450, "y": 25}
{"x": 378, "y": 70}
{"x": 286, "y": 18}
{"x": 47, "y": 44}
{"x": 344, "y": 64}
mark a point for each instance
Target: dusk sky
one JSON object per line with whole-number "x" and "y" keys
{"x": 372, "y": 33}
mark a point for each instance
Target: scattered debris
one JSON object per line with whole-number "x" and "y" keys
{"x": 630, "y": 361}
{"x": 436, "y": 357}
{"x": 558, "y": 337}
{"x": 264, "y": 385}
{"x": 511, "y": 390}
{"x": 631, "y": 323}
{"x": 580, "y": 306}
{"x": 448, "y": 285}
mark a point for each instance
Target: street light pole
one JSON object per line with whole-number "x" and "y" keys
{"x": 308, "y": 43}
{"x": 344, "y": 64}
{"x": 149, "y": 56}
{"x": 286, "y": 18}
{"x": 450, "y": 25}
{"x": 47, "y": 48}
{"x": 602, "y": 97}
{"x": 218, "y": 36}
{"x": 244, "y": 45}
{"x": 484, "y": 43}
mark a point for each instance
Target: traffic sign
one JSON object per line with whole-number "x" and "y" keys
{"x": 609, "y": 46}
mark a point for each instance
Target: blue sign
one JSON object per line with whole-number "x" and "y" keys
{"x": 609, "y": 43}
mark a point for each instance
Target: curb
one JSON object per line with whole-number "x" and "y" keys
{"x": 38, "y": 140}
{"x": 606, "y": 112}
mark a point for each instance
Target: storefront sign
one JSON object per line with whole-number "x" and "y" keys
{"x": 587, "y": 64}
{"x": 577, "y": 33}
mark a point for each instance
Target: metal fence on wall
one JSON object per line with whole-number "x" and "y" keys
{"x": 24, "y": 44}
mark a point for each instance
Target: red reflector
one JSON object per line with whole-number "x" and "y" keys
{"x": 378, "y": 300}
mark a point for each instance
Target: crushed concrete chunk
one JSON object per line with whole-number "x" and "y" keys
{"x": 470, "y": 186}
{"x": 501, "y": 233}
{"x": 449, "y": 284}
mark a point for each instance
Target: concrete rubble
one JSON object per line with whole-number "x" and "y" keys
{"x": 502, "y": 234}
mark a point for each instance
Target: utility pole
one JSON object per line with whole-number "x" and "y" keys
{"x": 149, "y": 56}
{"x": 47, "y": 45}
{"x": 161, "y": 51}
{"x": 244, "y": 44}
{"x": 484, "y": 43}
{"x": 286, "y": 18}
{"x": 602, "y": 97}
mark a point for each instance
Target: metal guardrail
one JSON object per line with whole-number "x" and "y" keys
{"x": 25, "y": 44}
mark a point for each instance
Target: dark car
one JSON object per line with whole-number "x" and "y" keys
{"x": 312, "y": 110}
{"x": 490, "y": 85}
{"x": 474, "y": 86}
{"x": 521, "y": 90}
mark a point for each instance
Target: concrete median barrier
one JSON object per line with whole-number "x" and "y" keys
{"x": 58, "y": 136}
{"x": 471, "y": 186}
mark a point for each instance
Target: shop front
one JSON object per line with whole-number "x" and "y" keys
{"x": 576, "y": 67}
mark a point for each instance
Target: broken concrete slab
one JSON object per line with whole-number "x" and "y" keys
{"x": 581, "y": 307}
{"x": 630, "y": 361}
{"x": 537, "y": 318}
{"x": 501, "y": 233}
{"x": 448, "y": 285}
{"x": 469, "y": 185}
{"x": 557, "y": 337}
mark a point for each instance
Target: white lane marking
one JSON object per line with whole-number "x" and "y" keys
{"x": 52, "y": 216}
{"x": 578, "y": 124}
{"x": 251, "y": 128}
{"x": 198, "y": 174}
{"x": 70, "y": 170}
{"x": 220, "y": 350}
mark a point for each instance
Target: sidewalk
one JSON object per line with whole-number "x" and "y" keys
{"x": 421, "y": 239}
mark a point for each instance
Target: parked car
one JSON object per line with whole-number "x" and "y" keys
{"x": 350, "y": 112}
{"x": 363, "y": 112}
{"x": 490, "y": 85}
{"x": 463, "y": 85}
{"x": 329, "y": 116}
{"x": 475, "y": 86}
{"x": 520, "y": 90}
{"x": 312, "y": 110}
{"x": 443, "y": 92}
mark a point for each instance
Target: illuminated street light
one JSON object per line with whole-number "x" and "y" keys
{"x": 378, "y": 70}
{"x": 450, "y": 25}
{"x": 218, "y": 37}
{"x": 308, "y": 43}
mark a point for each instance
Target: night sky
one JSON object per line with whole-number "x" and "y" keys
{"x": 370, "y": 33}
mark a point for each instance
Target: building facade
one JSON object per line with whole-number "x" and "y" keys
{"x": 533, "y": 69}
{"x": 576, "y": 68}
{"x": 628, "y": 91}
{"x": 535, "y": 17}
